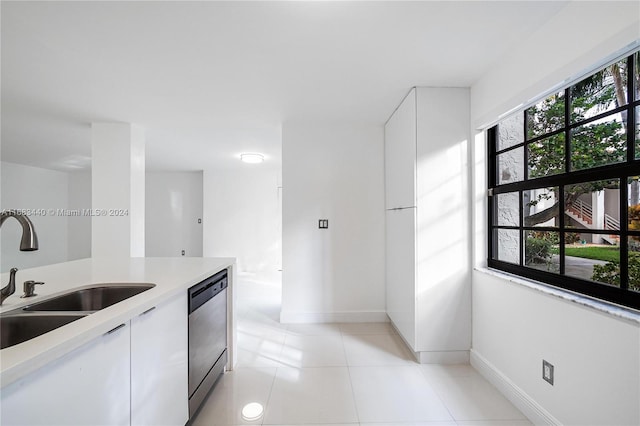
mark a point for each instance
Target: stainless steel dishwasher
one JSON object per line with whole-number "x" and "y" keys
{"x": 207, "y": 336}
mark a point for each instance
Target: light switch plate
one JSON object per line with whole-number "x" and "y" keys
{"x": 323, "y": 223}
{"x": 547, "y": 371}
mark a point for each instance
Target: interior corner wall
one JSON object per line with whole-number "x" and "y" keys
{"x": 242, "y": 215}
{"x": 333, "y": 172}
{"x": 173, "y": 208}
{"x": 596, "y": 355}
{"x": 40, "y": 193}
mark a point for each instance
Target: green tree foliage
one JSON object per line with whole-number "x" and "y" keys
{"x": 539, "y": 246}
{"x": 610, "y": 272}
{"x": 634, "y": 217}
{"x": 595, "y": 144}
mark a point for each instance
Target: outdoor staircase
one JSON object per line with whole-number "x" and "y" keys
{"x": 614, "y": 240}
{"x": 582, "y": 213}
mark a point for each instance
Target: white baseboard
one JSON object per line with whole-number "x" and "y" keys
{"x": 434, "y": 357}
{"x": 530, "y": 408}
{"x": 443, "y": 357}
{"x": 332, "y": 317}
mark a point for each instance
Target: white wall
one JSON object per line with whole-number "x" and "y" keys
{"x": 117, "y": 190}
{"x": 25, "y": 187}
{"x": 242, "y": 216}
{"x": 79, "y": 227}
{"x": 174, "y": 202}
{"x": 173, "y": 207}
{"x": 596, "y": 355}
{"x": 333, "y": 172}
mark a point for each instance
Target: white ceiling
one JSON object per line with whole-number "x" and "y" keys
{"x": 208, "y": 80}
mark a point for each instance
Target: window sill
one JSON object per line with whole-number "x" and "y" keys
{"x": 608, "y": 308}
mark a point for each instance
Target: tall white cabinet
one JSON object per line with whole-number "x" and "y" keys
{"x": 427, "y": 223}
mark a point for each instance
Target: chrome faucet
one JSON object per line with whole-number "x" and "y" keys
{"x": 28, "y": 242}
{"x": 10, "y": 288}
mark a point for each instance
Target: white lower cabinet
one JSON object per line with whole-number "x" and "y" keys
{"x": 89, "y": 386}
{"x": 159, "y": 365}
{"x": 137, "y": 374}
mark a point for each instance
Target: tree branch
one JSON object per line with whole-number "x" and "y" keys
{"x": 543, "y": 216}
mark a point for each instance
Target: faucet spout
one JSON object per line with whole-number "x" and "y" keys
{"x": 29, "y": 241}
{"x": 10, "y": 288}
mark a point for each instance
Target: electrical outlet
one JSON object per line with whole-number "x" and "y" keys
{"x": 547, "y": 372}
{"x": 183, "y": 252}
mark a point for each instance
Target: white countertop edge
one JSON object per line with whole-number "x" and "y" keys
{"x": 608, "y": 308}
{"x": 19, "y": 360}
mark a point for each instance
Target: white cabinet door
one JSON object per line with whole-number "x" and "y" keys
{"x": 400, "y": 272}
{"x": 444, "y": 294}
{"x": 89, "y": 386}
{"x": 400, "y": 155}
{"x": 159, "y": 365}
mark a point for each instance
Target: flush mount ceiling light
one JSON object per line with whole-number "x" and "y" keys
{"x": 252, "y": 157}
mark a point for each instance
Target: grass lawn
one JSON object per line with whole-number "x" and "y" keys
{"x": 606, "y": 253}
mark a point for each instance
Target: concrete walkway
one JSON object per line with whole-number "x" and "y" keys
{"x": 578, "y": 267}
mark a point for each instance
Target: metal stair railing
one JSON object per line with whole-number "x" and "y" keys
{"x": 582, "y": 210}
{"x": 611, "y": 222}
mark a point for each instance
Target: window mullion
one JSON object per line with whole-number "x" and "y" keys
{"x": 624, "y": 240}
{"x": 631, "y": 134}
{"x": 567, "y": 131}
{"x": 492, "y": 164}
{"x": 521, "y": 224}
{"x": 567, "y": 167}
{"x": 631, "y": 113}
{"x": 561, "y": 227}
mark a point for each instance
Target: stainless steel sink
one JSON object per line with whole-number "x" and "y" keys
{"x": 90, "y": 299}
{"x": 18, "y": 328}
{"x": 23, "y": 324}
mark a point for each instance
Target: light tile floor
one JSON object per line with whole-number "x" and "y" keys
{"x": 340, "y": 374}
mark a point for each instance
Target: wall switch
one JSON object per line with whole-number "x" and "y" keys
{"x": 183, "y": 252}
{"x": 547, "y": 372}
{"x": 199, "y": 220}
{"x": 323, "y": 223}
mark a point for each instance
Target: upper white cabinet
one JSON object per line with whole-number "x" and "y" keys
{"x": 434, "y": 294}
{"x": 89, "y": 386}
{"x": 400, "y": 155}
{"x": 159, "y": 365}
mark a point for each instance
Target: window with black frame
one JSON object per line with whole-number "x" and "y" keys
{"x": 564, "y": 192}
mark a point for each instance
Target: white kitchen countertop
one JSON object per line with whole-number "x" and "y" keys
{"x": 170, "y": 276}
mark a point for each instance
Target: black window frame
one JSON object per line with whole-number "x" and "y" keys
{"x": 631, "y": 167}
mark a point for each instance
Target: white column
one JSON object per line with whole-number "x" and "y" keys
{"x": 118, "y": 197}
{"x": 597, "y": 206}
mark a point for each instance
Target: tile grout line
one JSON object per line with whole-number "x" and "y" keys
{"x": 353, "y": 393}
{"x": 266, "y": 405}
{"x": 437, "y": 394}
